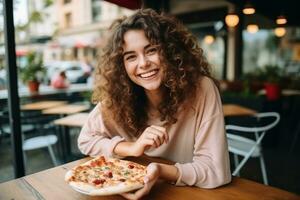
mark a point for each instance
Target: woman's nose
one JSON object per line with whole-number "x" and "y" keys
{"x": 143, "y": 61}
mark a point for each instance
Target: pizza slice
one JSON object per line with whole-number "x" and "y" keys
{"x": 106, "y": 176}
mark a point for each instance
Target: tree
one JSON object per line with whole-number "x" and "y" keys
{"x": 35, "y": 17}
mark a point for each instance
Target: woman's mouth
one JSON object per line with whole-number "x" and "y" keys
{"x": 149, "y": 74}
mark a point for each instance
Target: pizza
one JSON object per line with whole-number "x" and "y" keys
{"x": 106, "y": 176}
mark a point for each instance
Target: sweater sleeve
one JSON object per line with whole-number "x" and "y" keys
{"x": 94, "y": 138}
{"x": 210, "y": 166}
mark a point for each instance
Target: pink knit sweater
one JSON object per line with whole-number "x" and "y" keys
{"x": 197, "y": 142}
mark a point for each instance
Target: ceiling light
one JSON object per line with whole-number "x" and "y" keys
{"x": 252, "y": 28}
{"x": 280, "y": 31}
{"x": 281, "y": 20}
{"x": 248, "y": 9}
{"x": 232, "y": 20}
{"x": 209, "y": 39}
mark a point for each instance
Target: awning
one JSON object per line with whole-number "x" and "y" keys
{"x": 130, "y": 4}
{"x": 53, "y": 44}
{"x": 80, "y": 44}
{"x": 21, "y": 52}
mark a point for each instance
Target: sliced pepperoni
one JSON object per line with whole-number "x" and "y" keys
{"x": 98, "y": 181}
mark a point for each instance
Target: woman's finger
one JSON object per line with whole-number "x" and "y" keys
{"x": 161, "y": 136}
{"x": 155, "y": 138}
{"x": 163, "y": 131}
{"x": 138, "y": 194}
{"x": 127, "y": 196}
{"x": 149, "y": 142}
{"x": 152, "y": 176}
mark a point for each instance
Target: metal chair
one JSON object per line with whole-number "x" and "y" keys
{"x": 42, "y": 142}
{"x": 243, "y": 146}
{"x": 32, "y": 143}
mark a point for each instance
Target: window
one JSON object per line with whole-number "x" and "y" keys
{"x": 215, "y": 48}
{"x": 96, "y": 10}
{"x": 68, "y": 20}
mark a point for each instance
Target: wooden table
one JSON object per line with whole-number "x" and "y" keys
{"x": 75, "y": 120}
{"x": 41, "y": 105}
{"x": 66, "y": 109}
{"x": 50, "y": 184}
{"x": 78, "y": 119}
{"x": 236, "y": 110}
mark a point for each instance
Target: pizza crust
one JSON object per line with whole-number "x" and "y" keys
{"x": 68, "y": 175}
{"x": 117, "y": 189}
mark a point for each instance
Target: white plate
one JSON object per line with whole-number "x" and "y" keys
{"x": 118, "y": 189}
{"x": 80, "y": 191}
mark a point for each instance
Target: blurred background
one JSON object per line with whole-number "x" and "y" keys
{"x": 253, "y": 47}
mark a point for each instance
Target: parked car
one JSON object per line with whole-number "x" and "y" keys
{"x": 292, "y": 69}
{"x": 73, "y": 69}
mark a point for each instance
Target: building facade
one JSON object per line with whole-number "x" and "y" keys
{"x": 65, "y": 29}
{"x": 81, "y": 28}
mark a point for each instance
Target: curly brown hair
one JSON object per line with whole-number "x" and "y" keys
{"x": 184, "y": 65}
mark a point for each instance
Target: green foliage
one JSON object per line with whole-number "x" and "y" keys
{"x": 272, "y": 43}
{"x": 33, "y": 70}
{"x": 48, "y": 3}
{"x": 36, "y": 17}
{"x": 87, "y": 95}
{"x": 272, "y": 73}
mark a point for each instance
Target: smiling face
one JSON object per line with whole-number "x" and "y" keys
{"x": 142, "y": 61}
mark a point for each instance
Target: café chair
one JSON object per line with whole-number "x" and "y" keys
{"x": 5, "y": 127}
{"x": 35, "y": 142}
{"x": 42, "y": 142}
{"x": 248, "y": 147}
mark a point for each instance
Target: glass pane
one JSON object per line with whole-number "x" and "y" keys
{"x": 212, "y": 42}
{"x": 6, "y": 167}
{"x": 55, "y": 56}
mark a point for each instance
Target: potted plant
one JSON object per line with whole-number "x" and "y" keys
{"x": 33, "y": 72}
{"x": 272, "y": 76}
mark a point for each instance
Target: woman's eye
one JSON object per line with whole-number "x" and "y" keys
{"x": 130, "y": 57}
{"x": 151, "y": 50}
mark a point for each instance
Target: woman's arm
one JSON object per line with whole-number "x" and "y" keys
{"x": 210, "y": 165}
{"x": 94, "y": 138}
{"x": 153, "y": 136}
{"x": 168, "y": 172}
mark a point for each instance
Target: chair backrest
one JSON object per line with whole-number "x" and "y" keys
{"x": 258, "y": 131}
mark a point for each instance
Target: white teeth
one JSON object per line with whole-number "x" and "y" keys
{"x": 148, "y": 74}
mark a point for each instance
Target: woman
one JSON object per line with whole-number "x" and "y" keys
{"x": 156, "y": 97}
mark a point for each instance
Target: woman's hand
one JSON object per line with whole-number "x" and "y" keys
{"x": 153, "y": 173}
{"x": 153, "y": 136}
